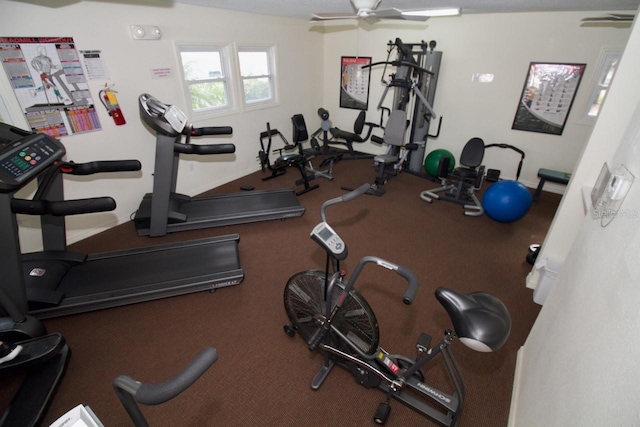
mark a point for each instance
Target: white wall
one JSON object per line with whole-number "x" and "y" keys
{"x": 502, "y": 44}
{"x": 105, "y": 26}
{"x": 309, "y": 58}
{"x": 579, "y": 365}
{"x": 602, "y": 145}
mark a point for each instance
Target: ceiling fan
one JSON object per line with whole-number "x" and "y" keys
{"x": 611, "y": 17}
{"x": 368, "y": 10}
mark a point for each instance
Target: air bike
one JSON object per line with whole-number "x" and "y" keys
{"x": 334, "y": 319}
{"x": 164, "y": 211}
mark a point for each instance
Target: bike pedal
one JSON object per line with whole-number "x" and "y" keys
{"x": 423, "y": 342}
{"x": 382, "y": 413}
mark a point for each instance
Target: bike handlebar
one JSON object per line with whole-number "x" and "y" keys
{"x": 355, "y": 193}
{"x": 407, "y": 274}
{"x": 344, "y": 198}
{"x": 154, "y": 394}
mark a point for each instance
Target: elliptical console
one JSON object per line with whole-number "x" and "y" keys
{"x": 23, "y": 155}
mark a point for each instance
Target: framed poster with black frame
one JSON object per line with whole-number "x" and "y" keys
{"x": 354, "y": 82}
{"x": 547, "y": 96}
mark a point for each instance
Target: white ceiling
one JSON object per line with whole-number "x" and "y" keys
{"x": 304, "y": 8}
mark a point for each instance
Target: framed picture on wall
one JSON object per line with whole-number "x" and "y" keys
{"x": 547, "y": 97}
{"x": 354, "y": 82}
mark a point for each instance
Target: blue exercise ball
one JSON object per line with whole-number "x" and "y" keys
{"x": 506, "y": 201}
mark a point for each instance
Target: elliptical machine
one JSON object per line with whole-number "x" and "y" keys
{"x": 23, "y": 157}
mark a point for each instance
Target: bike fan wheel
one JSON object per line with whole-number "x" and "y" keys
{"x": 304, "y": 302}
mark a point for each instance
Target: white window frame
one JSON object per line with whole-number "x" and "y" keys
{"x": 602, "y": 81}
{"x": 271, "y": 75}
{"x": 228, "y": 78}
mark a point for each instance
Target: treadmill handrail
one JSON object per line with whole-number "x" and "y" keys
{"x": 208, "y": 130}
{"x": 203, "y": 148}
{"x": 91, "y": 168}
{"x": 63, "y": 207}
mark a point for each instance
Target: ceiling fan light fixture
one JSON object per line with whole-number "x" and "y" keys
{"x": 451, "y": 11}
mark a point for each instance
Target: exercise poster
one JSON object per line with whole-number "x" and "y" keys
{"x": 47, "y": 78}
{"x": 547, "y": 97}
{"x": 354, "y": 82}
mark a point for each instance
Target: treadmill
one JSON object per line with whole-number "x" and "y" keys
{"x": 164, "y": 211}
{"x": 56, "y": 282}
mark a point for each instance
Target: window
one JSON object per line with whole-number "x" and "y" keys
{"x": 207, "y": 77}
{"x": 214, "y": 82}
{"x": 608, "y": 65}
{"x": 257, "y": 73}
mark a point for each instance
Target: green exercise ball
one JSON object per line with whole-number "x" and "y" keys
{"x": 433, "y": 159}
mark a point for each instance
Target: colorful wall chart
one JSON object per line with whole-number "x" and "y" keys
{"x": 47, "y": 78}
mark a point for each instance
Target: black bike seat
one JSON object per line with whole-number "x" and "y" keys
{"x": 481, "y": 321}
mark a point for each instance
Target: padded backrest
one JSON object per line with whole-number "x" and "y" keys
{"x": 395, "y": 128}
{"x": 443, "y": 167}
{"x": 472, "y": 153}
{"x": 358, "y": 126}
{"x": 299, "y": 128}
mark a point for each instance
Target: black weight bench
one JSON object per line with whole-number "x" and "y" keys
{"x": 552, "y": 176}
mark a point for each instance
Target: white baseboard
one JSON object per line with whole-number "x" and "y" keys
{"x": 515, "y": 393}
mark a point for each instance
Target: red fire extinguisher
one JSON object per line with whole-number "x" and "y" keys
{"x": 109, "y": 100}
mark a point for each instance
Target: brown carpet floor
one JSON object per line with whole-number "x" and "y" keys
{"x": 262, "y": 375}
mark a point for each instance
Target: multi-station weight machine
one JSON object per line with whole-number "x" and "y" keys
{"x": 417, "y": 67}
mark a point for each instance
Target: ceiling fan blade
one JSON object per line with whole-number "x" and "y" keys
{"x": 329, "y": 16}
{"x": 395, "y": 14}
{"x": 408, "y": 18}
{"x": 386, "y": 13}
{"x": 611, "y": 17}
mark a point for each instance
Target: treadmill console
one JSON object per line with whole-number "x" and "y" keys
{"x": 25, "y": 155}
{"x": 324, "y": 235}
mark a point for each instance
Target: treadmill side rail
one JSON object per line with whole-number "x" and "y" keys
{"x": 130, "y": 276}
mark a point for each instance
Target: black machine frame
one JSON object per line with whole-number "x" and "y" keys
{"x": 164, "y": 210}
{"x": 334, "y": 319}
{"x": 56, "y": 282}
